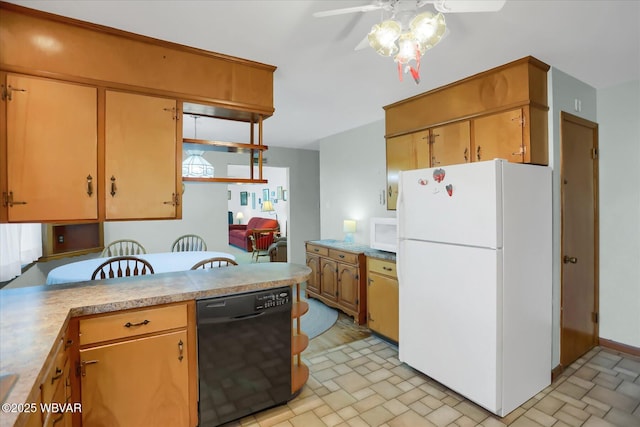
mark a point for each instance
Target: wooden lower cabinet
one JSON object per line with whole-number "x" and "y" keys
{"x": 382, "y": 298}
{"x": 338, "y": 279}
{"x": 138, "y": 367}
{"x": 144, "y": 381}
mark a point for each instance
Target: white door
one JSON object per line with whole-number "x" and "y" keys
{"x": 456, "y": 204}
{"x": 449, "y": 316}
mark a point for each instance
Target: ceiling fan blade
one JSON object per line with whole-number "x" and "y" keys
{"x": 363, "y": 43}
{"x": 333, "y": 12}
{"x": 461, "y": 6}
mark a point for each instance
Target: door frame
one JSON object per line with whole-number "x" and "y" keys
{"x": 567, "y": 117}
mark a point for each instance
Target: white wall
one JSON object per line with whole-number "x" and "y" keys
{"x": 619, "y": 126}
{"x": 353, "y": 180}
{"x": 563, "y": 91}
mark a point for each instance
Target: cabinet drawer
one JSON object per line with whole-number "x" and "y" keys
{"x": 388, "y": 268}
{"x": 343, "y": 256}
{"x": 131, "y": 323}
{"x": 318, "y": 250}
{"x": 55, "y": 373}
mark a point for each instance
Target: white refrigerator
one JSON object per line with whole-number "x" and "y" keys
{"x": 474, "y": 267}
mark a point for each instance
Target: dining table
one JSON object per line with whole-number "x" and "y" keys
{"x": 162, "y": 262}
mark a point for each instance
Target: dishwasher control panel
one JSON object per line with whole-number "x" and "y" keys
{"x": 276, "y": 298}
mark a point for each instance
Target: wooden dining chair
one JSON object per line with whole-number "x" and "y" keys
{"x": 123, "y": 247}
{"x": 122, "y": 266}
{"x": 261, "y": 239}
{"x": 188, "y": 243}
{"x": 214, "y": 263}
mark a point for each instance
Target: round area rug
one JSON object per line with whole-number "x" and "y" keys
{"x": 318, "y": 319}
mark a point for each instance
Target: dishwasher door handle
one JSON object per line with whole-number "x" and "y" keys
{"x": 247, "y": 316}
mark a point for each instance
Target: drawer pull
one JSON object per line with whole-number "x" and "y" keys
{"x": 180, "y": 350}
{"x": 131, "y": 325}
{"x": 316, "y": 250}
{"x": 68, "y": 344}
{"x": 387, "y": 268}
{"x": 56, "y": 376}
{"x": 340, "y": 256}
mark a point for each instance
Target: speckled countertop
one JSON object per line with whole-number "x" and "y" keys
{"x": 33, "y": 318}
{"x": 355, "y": 247}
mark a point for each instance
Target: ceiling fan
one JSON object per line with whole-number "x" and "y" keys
{"x": 443, "y": 6}
{"x": 407, "y": 34}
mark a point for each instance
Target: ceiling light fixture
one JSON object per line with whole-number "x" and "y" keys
{"x": 406, "y": 37}
{"x": 195, "y": 165}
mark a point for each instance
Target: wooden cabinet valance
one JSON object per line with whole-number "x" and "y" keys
{"x": 48, "y": 45}
{"x": 521, "y": 82}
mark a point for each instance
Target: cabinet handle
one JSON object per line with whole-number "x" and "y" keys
{"x": 68, "y": 344}
{"x": 520, "y": 152}
{"x": 478, "y": 152}
{"x": 173, "y": 201}
{"x": 7, "y": 200}
{"x": 130, "y": 325}
{"x": 390, "y": 191}
{"x": 340, "y": 256}
{"x": 85, "y": 363}
{"x": 56, "y": 376}
{"x": 434, "y": 161}
{"x": 113, "y": 186}
{"x": 466, "y": 155}
{"x": 180, "y": 350}
{"x": 89, "y": 185}
{"x": 7, "y": 92}
{"x": 385, "y": 268}
{"x": 371, "y": 318}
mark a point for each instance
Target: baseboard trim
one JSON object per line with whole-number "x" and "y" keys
{"x": 624, "y": 348}
{"x": 556, "y": 372}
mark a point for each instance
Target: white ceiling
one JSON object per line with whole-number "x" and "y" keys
{"x": 323, "y": 86}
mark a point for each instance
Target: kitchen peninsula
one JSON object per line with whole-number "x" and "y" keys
{"x": 36, "y": 323}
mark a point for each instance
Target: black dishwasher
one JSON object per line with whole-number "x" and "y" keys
{"x": 244, "y": 354}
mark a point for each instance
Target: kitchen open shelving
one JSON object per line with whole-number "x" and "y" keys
{"x": 255, "y": 147}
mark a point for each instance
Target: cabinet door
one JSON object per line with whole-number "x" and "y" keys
{"x": 348, "y": 286}
{"x": 382, "y": 303}
{"x": 142, "y": 382}
{"x": 52, "y": 137}
{"x": 451, "y": 144}
{"x": 313, "y": 284}
{"x": 500, "y": 136}
{"x": 328, "y": 278}
{"x": 140, "y": 157}
{"x": 404, "y": 152}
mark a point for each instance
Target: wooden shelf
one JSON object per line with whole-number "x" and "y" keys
{"x": 299, "y": 376}
{"x": 229, "y": 147}
{"x": 228, "y": 180}
{"x": 299, "y": 308}
{"x": 299, "y": 343}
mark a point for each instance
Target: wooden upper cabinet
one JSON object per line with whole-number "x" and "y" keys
{"x": 51, "y": 146}
{"x": 451, "y": 144}
{"x": 404, "y": 152}
{"x": 499, "y": 136}
{"x": 141, "y": 148}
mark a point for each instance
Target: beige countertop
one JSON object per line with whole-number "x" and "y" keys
{"x": 33, "y": 318}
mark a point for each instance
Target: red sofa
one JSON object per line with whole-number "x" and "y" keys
{"x": 239, "y": 233}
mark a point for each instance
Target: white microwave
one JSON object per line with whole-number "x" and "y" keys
{"x": 384, "y": 234}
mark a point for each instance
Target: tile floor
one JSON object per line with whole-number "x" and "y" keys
{"x": 363, "y": 383}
